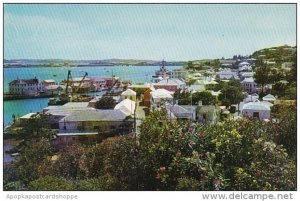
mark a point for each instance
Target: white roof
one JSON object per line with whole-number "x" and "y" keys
{"x": 77, "y": 79}
{"x": 128, "y": 92}
{"x": 216, "y": 93}
{"x": 195, "y": 88}
{"x": 127, "y": 106}
{"x": 256, "y": 106}
{"x": 248, "y": 79}
{"x": 170, "y": 82}
{"x": 269, "y": 97}
{"x": 27, "y": 116}
{"x": 50, "y": 80}
{"x": 95, "y": 115}
{"x": 244, "y": 64}
{"x": 76, "y": 104}
{"x": 161, "y": 93}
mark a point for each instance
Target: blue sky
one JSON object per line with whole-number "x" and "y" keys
{"x": 144, "y": 31}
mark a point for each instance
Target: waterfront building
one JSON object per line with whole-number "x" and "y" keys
{"x": 49, "y": 82}
{"x": 99, "y": 83}
{"x": 26, "y": 87}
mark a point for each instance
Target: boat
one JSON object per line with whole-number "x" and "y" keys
{"x": 161, "y": 74}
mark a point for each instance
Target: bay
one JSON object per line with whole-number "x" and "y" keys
{"x": 137, "y": 74}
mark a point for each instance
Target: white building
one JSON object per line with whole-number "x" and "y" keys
{"x": 269, "y": 98}
{"x": 161, "y": 96}
{"x": 249, "y": 85}
{"x": 127, "y": 106}
{"x": 256, "y": 109}
{"x": 227, "y": 74}
{"x": 129, "y": 94}
{"x": 28, "y": 87}
{"x": 245, "y": 66}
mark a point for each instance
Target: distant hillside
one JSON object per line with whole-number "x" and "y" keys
{"x": 278, "y": 54}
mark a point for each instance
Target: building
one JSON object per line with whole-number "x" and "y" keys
{"x": 227, "y": 74}
{"x": 93, "y": 121}
{"x": 127, "y": 106}
{"x": 245, "y": 66}
{"x": 249, "y": 85}
{"x": 161, "y": 96}
{"x": 178, "y": 74}
{"x": 27, "y": 87}
{"x": 170, "y": 84}
{"x": 269, "y": 98}
{"x": 207, "y": 114}
{"x": 49, "y": 82}
{"x": 183, "y": 111}
{"x": 256, "y": 109}
{"x": 128, "y": 94}
{"x": 99, "y": 83}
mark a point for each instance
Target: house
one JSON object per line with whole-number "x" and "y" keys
{"x": 57, "y": 112}
{"x": 29, "y": 87}
{"x": 127, "y": 106}
{"x": 161, "y": 96}
{"x": 196, "y": 88}
{"x": 256, "y": 109}
{"x": 183, "y": 111}
{"x": 251, "y": 98}
{"x": 207, "y": 114}
{"x": 249, "y": 85}
{"x": 245, "y": 66}
{"x": 89, "y": 126}
{"x": 24, "y": 118}
{"x": 244, "y": 75}
{"x": 227, "y": 74}
{"x": 128, "y": 94}
{"x": 170, "y": 84}
{"x": 205, "y": 84}
{"x": 269, "y": 98}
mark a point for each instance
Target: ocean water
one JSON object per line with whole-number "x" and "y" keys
{"x": 137, "y": 74}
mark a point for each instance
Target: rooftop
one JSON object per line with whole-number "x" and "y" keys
{"x": 95, "y": 115}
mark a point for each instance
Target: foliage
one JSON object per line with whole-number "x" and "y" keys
{"x": 205, "y": 96}
{"x": 231, "y": 93}
{"x": 262, "y": 76}
{"x": 31, "y": 157}
{"x": 104, "y": 183}
{"x": 69, "y": 163}
{"x": 105, "y": 102}
{"x": 49, "y": 183}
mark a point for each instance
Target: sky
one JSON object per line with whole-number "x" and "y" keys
{"x": 177, "y": 32}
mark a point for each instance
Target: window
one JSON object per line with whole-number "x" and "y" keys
{"x": 256, "y": 114}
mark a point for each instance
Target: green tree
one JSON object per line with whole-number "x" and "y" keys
{"x": 105, "y": 102}
{"x": 231, "y": 94}
{"x": 262, "y": 76}
{"x": 205, "y": 96}
{"x": 190, "y": 65}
